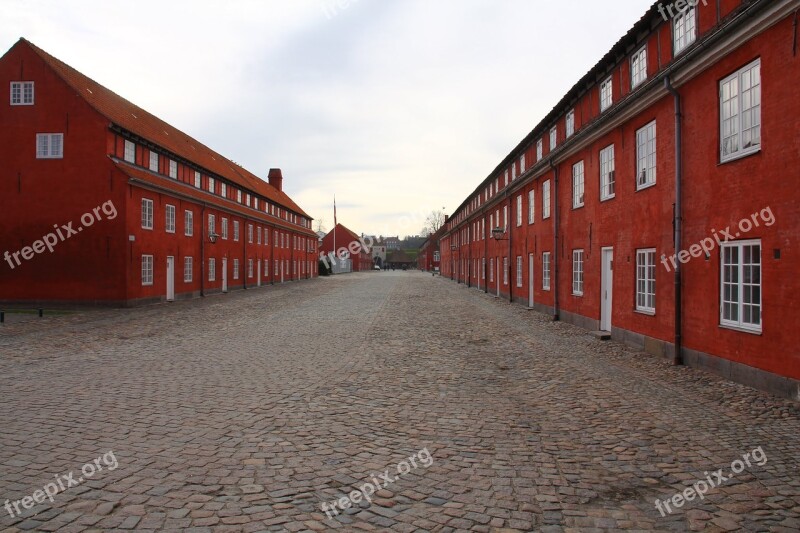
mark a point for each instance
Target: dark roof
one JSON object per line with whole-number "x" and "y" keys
{"x": 136, "y": 120}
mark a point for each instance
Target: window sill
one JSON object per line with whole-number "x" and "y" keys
{"x": 645, "y": 186}
{"x": 645, "y": 312}
{"x": 607, "y": 198}
{"x": 741, "y": 155}
{"x": 742, "y": 329}
{"x": 578, "y": 294}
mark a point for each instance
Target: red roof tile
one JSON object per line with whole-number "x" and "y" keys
{"x": 133, "y": 118}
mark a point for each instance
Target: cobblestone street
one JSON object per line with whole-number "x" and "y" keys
{"x": 224, "y": 415}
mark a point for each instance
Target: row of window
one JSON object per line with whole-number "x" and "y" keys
{"x": 739, "y": 130}
{"x": 740, "y": 281}
{"x": 282, "y": 239}
{"x": 213, "y": 186}
{"x": 188, "y": 268}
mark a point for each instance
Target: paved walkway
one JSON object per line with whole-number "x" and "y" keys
{"x": 247, "y": 412}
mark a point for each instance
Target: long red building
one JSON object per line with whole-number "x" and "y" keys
{"x": 102, "y": 202}
{"x": 657, "y": 201}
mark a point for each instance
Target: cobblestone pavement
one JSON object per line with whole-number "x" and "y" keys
{"x": 248, "y": 411}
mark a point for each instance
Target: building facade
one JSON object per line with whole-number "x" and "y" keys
{"x": 345, "y": 251}
{"x": 655, "y": 201}
{"x": 104, "y": 203}
{"x": 429, "y": 258}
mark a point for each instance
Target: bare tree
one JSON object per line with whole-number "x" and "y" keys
{"x": 433, "y": 222}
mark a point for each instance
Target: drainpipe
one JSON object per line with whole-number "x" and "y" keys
{"x": 244, "y": 256}
{"x": 202, "y": 251}
{"x": 508, "y": 268}
{"x": 554, "y": 276}
{"x": 485, "y": 260}
{"x": 677, "y": 219}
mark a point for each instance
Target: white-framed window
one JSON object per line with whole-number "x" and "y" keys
{"x": 169, "y": 225}
{"x": 173, "y": 169}
{"x": 239, "y": 195}
{"x": 491, "y": 269}
{"x": 188, "y": 223}
{"x": 212, "y": 269}
{"x": 197, "y": 180}
{"x": 505, "y": 178}
{"x": 539, "y": 150}
{"x": 258, "y": 235}
{"x": 684, "y": 30}
{"x": 236, "y": 230}
{"x": 224, "y": 228}
{"x": 646, "y": 156}
{"x": 223, "y": 190}
{"x": 277, "y": 267}
{"x": 266, "y": 237}
{"x": 522, "y": 164}
{"x": 577, "y": 272}
{"x": 646, "y": 280}
{"x": 546, "y": 200}
{"x": 249, "y": 268}
{"x": 546, "y": 271}
{"x": 606, "y": 94}
{"x": 21, "y": 93}
{"x": 147, "y": 270}
{"x": 153, "y": 161}
{"x": 553, "y": 138}
{"x": 235, "y": 269}
{"x": 570, "y": 123}
{"x": 437, "y": 256}
{"x": 513, "y": 171}
{"x": 519, "y": 271}
{"x": 250, "y": 233}
{"x": 212, "y": 224}
{"x": 740, "y": 112}
{"x": 577, "y": 184}
{"x": 505, "y": 218}
{"x": 211, "y": 185}
{"x": 247, "y": 199}
{"x": 188, "y": 269}
{"x": 130, "y": 152}
{"x": 483, "y": 228}
{"x": 505, "y": 271}
{"x": 483, "y": 268}
{"x": 740, "y": 305}
{"x": 531, "y": 206}
{"x": 607, "y": 177}
{"x": 147, "y": 213}
{"x": 639, "y": 67}
{"x": 49, "y": 145}
{"x": 519, "y": 210}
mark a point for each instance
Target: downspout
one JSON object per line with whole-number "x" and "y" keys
{"x": 677, "y": 219}
{"x": 509, "y": 225}
{"x": 202, "y": 251}
{"x": 272, "y": 257}
{"x": 244, "y": 256}
{"x": 554, "y": 276}
{"x": 485, "y": 253}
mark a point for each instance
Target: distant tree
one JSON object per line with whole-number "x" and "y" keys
{"x": 320, "y": 222}
{"x": 433, "y": 222}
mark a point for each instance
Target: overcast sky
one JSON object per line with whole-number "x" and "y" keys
{"x": 398, "y": 107}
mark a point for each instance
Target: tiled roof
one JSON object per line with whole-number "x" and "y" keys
{"x": 136, "y": 120}
{"x": 179, "y": 187}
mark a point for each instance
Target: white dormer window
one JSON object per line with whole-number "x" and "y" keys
{"x": 570, "y": 123}
{"x": 606, "y": 94}
{"x": 130, "y": 152}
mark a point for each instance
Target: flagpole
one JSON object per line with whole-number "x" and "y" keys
{"x": 335, "y": 253}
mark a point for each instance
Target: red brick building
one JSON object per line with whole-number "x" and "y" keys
{"x": 105, "y": 203}
{"x": 429, "y": 258}
{"x": 347, "y": 248}
{"x": 685, "y": 134}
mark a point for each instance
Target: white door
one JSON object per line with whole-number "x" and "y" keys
{"x": 170, "y": 278}
{"x": 530, "y": 280}
{"x": 224, "y": 274}
{"x": 607, "y": 287}
{"x": 258, "y": 267}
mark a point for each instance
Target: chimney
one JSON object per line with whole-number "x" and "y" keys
{"x": 276, "y": 178}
